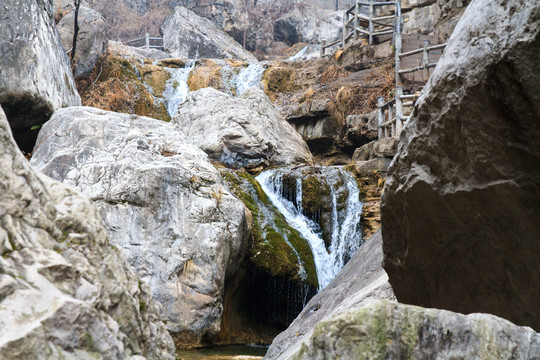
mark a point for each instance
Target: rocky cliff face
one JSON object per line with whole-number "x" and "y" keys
{"x": 65, "y": 291}
{"x": 35, "y": 77}
{"x": 187, "y": 35}
{"x": 161, "y": 201}
{"x": 461, "y": 206}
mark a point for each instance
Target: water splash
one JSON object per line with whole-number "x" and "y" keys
{"x": 346, "y": 235}
{"x": 299, "y": 54}
{"x": 176, "y": 88}
{"x": 248, "y": 77}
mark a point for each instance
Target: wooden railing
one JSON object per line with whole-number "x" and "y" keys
{"x": 148, "y": 42}
{"x": 356, "y": 24}
{"x": 393, "y": 114}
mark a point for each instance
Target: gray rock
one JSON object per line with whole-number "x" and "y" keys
{"x": 187, "y": 35}
{"x": 91, "y": 41}
{"x": 359, "y": 130}
{"x": 361, "y": 281}
{"x": 65, "y": 291}
{"x": 388, "y": 330}
{"x": 35, "y": 77}
{"x": 367, "y": 167}
{"x": 138, "y": 53}
{"x": 161, "y": 201}
{"x": 244, "y": 131}
{"x": 461, "y": 206}
{"x": 376, "y": 149}
{"x": 141, "y": 6}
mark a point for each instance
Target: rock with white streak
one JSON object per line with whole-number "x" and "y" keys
{"x": 161, "y": 201}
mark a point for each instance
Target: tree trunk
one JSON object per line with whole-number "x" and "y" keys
{"x": 77, "y": 4}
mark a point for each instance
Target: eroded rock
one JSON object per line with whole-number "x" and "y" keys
{"x": 389, "y": 330}
{"x": 244, "y": 131}
{"x": 461, "y": 206}
{"x": 161, "y": 201}
{"x": 65, "y": 291}
{"x": 35, "y": 76}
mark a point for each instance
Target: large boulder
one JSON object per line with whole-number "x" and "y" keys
{"x": 244, "y": 131}
{"x": 91, "y": 40}
{"x": 388, "y": 330}
{"x": 361, "y": 281}
{"x": 161, "y": 201}
{"x": 187, "y": 35}
{"x": 35, "y": 76}
{"x": 461, "y": 206}
{"x": 65, "y": 291}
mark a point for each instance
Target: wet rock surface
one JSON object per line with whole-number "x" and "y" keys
{"x": 35, "y": 75}
{"x": 65, "y": 291}
{"x": 161, "y": 201}
{"x": 244, "y": 131}
{"x": 461, "y": 206}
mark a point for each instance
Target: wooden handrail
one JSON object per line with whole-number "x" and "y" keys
{"x": 418, "y": 51}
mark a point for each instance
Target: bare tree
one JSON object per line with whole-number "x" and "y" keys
{"x": 77, "y": 4}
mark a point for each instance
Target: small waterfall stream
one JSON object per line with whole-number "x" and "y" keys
{"x": 340, "y": 217}
{"x": 248, "y": 77}
{"x": 176, "y": 88}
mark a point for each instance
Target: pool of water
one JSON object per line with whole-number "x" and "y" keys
{"x": 231, "y": 352}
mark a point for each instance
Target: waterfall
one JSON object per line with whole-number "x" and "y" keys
{"x": 346, "y": 235}
{"x": 299, "y": 54}
{"x": 176, "y": 88}
{"x": 248, "y": 77}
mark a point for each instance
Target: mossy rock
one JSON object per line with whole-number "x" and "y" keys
{"x": 208, "y": 75}
{"x": 172, "y": 63}
{"x": 270, "y": 251}
{"x": 278, "y": 80}
{"x": 156, "y": 77}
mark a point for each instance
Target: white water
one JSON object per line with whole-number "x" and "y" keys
{"x": 299, "y": 54}
{"x": 346, "y": 233}
{"x": 248, "y": 77}
{"x": 176, "y": 88}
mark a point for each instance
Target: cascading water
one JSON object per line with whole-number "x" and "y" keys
{"x": 342, "y": 218}
{"x": 176, "y": 88}
{"x": 299, "y": 54}
{"x": 248, "y": 77}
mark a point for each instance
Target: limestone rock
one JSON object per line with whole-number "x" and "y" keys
{"x": 361, "y": 281}
{"x": 187, "y": 35}
{"x": 161, "y": 201}
{"x": 376, "y": 149}
{"x": 461, "y": 206}
{"x": 245, "y": 131}
{"x": 35, "y": 77}
{"x": 388, "y": 330}
{"x": 65, "y": 292}
{"x": 140, "y": 54}
{"x": 307, "y": 23}
{"x": 359, "y": 130}
{"x": 91, "y": 41}
{"x": 356, "y": 56}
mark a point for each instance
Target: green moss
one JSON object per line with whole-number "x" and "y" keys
{"x": 271, "y": 232}
{"x": 313, "y": 195}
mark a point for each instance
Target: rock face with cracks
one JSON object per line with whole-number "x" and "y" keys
{"x": 91, "y": 40}
{"x": 65, "y": 291}
{"x": 245, "y": 131}
{"x": 388, "y": 330}
{"x": 35, "y": 77}
{"x": 461, "y": 206}
{"x": 187, "y": 35}
{"x": 161, "y": 201}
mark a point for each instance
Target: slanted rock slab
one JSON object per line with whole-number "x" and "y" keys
{"x": 161, "y": 201}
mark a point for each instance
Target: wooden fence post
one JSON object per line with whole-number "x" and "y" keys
{"x": 390, "y": 118}
{"x": 356, "y": 14}
{"x": 425, "y": 61}
{"x": 147, "y": 39}
{"x": 399, "y": 110}
{"x": 398, "y": 41}
{"x": 380, "y": 117}
{"x": 323, "y": 47}
{"x": 370, "y": 24}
